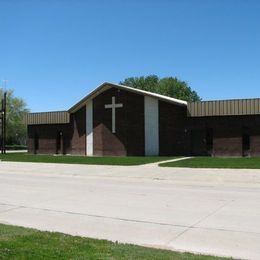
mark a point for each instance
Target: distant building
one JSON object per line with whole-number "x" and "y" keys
{"x": 117, "y": 120}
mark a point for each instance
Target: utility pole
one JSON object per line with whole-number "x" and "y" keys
{"x": 3, "y": 118}
{"x": 3, "y": 124}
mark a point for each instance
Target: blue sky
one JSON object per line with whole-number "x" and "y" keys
{"x": 53, "y": 52}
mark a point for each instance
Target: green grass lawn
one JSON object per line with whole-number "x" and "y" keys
{"x": 24, "y": 243}
{"x": 215, "y": 162}
{"x": 127, "y": 160}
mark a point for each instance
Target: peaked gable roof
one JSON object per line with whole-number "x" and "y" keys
{"x": 106, "y": 85}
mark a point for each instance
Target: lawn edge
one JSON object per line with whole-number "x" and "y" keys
{"x": 144, "y": 246}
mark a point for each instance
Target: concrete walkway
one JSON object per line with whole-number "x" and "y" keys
{"x": 199, "y": 210}
{"x": 16, "y": 151}
{"x": 169, "y": 160}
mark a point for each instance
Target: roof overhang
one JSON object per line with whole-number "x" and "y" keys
{"x": 106, "y": 85}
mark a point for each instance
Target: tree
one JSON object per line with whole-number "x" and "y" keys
{"x": 167, "y": 86}
{"x": 16, "y": 110}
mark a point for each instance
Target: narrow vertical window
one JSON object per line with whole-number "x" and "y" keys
{"x": 36, "y": 143}
{"x": 246, "y": 141}
{"x": 209, "y": 141}
{"x": 59, "y": 143}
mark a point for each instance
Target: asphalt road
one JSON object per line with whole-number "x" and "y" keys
{"x": 198, "y": 210}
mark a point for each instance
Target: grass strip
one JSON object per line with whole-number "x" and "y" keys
{"x": 106, "y": 160}
{"x": 24, "y": 243}
{"x": 216, "y": 162}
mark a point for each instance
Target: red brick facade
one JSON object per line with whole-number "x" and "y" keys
{"x": 172, "y": 135}
{"x": 228, "y": 133}
{"x": 59, "y": 138}
{"x": 78, "y": 140}
{"x": 129, "y": 136}
{"x": 47, "y": 139}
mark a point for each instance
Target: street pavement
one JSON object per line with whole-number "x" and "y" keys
{"x": 209, "y": 211}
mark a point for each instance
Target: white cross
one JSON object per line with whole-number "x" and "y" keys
{"x": 113, "y": 106}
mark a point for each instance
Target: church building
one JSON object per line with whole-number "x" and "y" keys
{"x": 116, "y": 120}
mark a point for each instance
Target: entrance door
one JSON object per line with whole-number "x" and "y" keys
{"x": 246, "y": 142}
{"x": 198, "y": 142}
{"x": 35, "y": 143}
{"x": 209, "y": 141}
{"x": 59, "y": 143}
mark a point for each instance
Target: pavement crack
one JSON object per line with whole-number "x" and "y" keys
{"x": 136, "y": 220}
{"x": 95, "y": 215}
{"x": 7, "y": 210}
{"x": 199, "y": 221}
{"x": 212, "y": 213}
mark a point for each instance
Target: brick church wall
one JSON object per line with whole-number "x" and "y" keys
{"x": 227, "y": 134}
{"x": 129, "y": 136}
{"x": 253, "y": 124}
{"x": 255, "y": 145}
{"x": 172, "y": 134}
{"x": 227, "y": 143}
{"x": 74, "y": 136}
{"x": 47, "y": 138}
{"x": 78, "y": 141}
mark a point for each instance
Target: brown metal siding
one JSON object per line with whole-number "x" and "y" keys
{"x": 224, "y": 108}
{"x": 60, "y": 117}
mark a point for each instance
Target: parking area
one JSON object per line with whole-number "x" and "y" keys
{"x": 211, "y": 211}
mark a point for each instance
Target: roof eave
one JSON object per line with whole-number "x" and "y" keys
{"x": 109, "y": 85}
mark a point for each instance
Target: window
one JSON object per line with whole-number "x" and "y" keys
{"x": 209, "y": 140}
{"x": 246, "y": 141}
{"x": 59, "y": 142}
{"x": 36, "y": 142}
